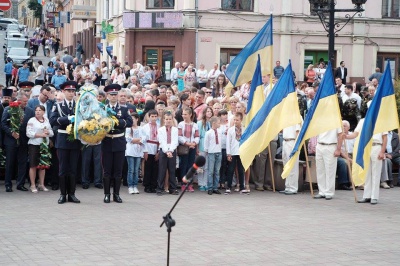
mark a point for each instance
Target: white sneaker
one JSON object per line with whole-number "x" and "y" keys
{"x": 135, "y": 190}
{"x": 131, "y": 190}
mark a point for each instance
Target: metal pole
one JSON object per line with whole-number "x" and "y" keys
{"x": 331, "y": 49}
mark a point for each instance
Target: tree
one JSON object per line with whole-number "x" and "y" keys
{"x": 36, "y": 8}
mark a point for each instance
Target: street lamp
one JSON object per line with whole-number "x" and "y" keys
{"x": 325, "y": 9}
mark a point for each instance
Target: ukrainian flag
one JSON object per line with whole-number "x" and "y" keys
{"x": 256, "y": 96}
{"x": 242, "y": 67}
{"x": 381, "y": 116}
{"x": 324, "y": 115}
{"x": 280, "y": 110}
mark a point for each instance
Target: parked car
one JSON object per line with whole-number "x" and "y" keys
{"x": 16, "y": 34}
{"x": 21, "y": 26}
{"x": 16, "y": 43}
{"x": 21, "y": 55}
{"x": 6, "y": 21}
{"x": 12, "y": 28}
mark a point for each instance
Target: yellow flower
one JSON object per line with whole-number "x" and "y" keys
{"x": 96, "y": 116}
{"x": 69, "y": 129}
{"x": 115, "y": 120}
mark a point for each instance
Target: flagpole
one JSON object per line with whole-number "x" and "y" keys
{"x": 308, "y": 171}
{"x": 272, "y": 167}
{"x": 349, "y": 170}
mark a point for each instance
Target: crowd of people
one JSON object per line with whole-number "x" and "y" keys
{"x": 164, "y": 127}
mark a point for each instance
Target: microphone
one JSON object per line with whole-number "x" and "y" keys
{"x": 199, "y": 162}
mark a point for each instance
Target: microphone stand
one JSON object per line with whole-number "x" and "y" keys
{"x": 169, "y": 222}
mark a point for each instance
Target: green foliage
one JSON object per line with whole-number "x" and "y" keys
{"x": 36, "y": 8}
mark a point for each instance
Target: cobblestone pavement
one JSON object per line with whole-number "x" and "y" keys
{"x": 262, "y": 228}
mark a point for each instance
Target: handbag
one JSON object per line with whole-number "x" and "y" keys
{"x": 182, "y": 150}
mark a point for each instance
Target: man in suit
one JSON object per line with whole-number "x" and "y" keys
{"x": 43, "y": 99}
{"x": 114, "y": 145}
{"x": 341, "y": 72}
{"x": 5, "y": 101}
{"x": 16, "y": 144}
{"x": 62, "y": 115}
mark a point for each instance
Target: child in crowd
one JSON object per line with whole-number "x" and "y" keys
{"x": 204, "y": 126}
{"x": 189, "y": 136}
{"x": 168, "y": 139}
{"x": 212, "y": 147}
{"x": 223, "y": 115}
{"x": 150, "y": 133}
{"x": 133, "y": 153}
{"x": 232, "y": 151}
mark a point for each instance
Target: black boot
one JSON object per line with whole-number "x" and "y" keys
{"x": 62, "y": 199}
{"x": 107, "y": 198}
{"x": 117, "y": 198}
{"x": 72, "y": 198}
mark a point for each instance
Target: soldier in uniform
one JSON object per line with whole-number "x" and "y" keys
{"x": 62, "y": 115}
{"x": 114, "y": 145}
{"x": 16, "y": 144}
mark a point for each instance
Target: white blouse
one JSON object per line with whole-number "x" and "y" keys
{"x": 34, "y": 126}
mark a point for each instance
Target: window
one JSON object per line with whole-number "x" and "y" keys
{"x": 394, "y": 60}
{"x": 163, "y": 57}
{"x": 239, "y": 5}
{"x": 391, "y": 8}
{"x": 160, "y": 3}
{"x": 227, "y": 55}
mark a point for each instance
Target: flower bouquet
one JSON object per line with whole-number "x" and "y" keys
{"x": 16, "y": 116}
{"x": 45, "y": 155}
{"x": 92, "y": 120}
{"x": 139, "y": 104}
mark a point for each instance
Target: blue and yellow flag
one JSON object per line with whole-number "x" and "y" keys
{"x": 242, "y": 67}
{"x": 256, "y": 95}
{"x": 381, "y": 116}
{"x": 280, "y": 110}
{"x": 324, "y": 115}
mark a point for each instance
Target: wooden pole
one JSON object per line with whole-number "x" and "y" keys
{"x": 349, "y": 170}
{"x": 308, "y": 171}
{"x": 272, "y": 168}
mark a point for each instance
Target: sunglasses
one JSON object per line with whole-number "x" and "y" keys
{"x": 208, "y": 92}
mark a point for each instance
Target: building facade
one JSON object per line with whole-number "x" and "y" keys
{"x": 25, "y": 15}
{"x": 81, "y": 26}
{"x": 161, "y": 32}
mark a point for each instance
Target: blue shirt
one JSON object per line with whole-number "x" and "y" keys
{"x": 58, "y": 80}
{"x": 8, "y": 68}
{"x": 23, "y": 74}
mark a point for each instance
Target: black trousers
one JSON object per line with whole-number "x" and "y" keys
{"x": 16, "y": 156}
{"x": 8, "y": 79}
{"x": 231, "y": 168}
{"x": 165, "y": 163}
{"x": 68, "y": 169}
{"x": 112, "y": 168}
{"x": 39, "y": 82}
{"x": 150, "y": 172}
{"x": 52, "y": 173}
